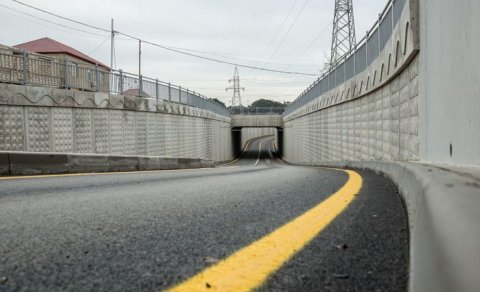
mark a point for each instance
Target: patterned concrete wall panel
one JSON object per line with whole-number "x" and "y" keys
{"x": 168, "y": 136}
{"x": 116, "y": 131}
{"x": 38, "y": 129}
{"x": 189, "y": 138}
{"x": 382, "y": 125}
{"x": 100, "y": 131}
{"x": 204, "y": 135}
{"x": 153, "y": 139}
{"x": 83, "y": 130}
{"x": 129, "y": 142}
{"x": 351, "y": 130}
{"x": 395, "y": 125}
{"x": 141, "y": 132}
{"x": 178, "y": 126}
{"x": 344, "y": 133}
{"x": 11, "y": 128}
{"x": 62, "y": 129}
{"x": 160, "y": 128}
{"x": 198, "y": 138}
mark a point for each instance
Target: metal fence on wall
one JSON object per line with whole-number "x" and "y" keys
{"x": 20, "y": 67}
{"x": 358, "y": 59}
{"x": 257, "y": 110}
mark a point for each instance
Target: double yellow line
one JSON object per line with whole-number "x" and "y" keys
{"x": 245, "y": 149}
{"x": 251, "y": 266}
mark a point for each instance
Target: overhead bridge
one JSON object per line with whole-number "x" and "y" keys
{"x": 257, "y": 121}
{"x": 248, "y": 123}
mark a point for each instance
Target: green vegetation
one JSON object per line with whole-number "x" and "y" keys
{"x": 218, "y": 101}
{"x": 267, "y": 103}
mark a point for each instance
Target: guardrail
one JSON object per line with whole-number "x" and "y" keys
{"x": 357, "y": 59}
{"x": 257, "y": 111}
{"x": 21, "y": 67}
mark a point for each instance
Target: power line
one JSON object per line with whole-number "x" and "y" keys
{"x": 310, "y": 45}
{"x": 98, "y": 47}
{"x": 278, "y": 31}
{"x": 52, "y": 22}
{"x": 289, "y": 29}
{"x": 180, "y": 51}
{"x": 62, "y": 17}
{"x": 215, "y": 60}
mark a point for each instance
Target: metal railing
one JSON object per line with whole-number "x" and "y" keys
{"x": 355, "y": 61}
{"x": 257, "y": 110}
{"x": 20, "y": 67}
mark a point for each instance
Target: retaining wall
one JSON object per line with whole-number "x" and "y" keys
{"x": 39, "y": 119}
{"x": 372, "y": 116}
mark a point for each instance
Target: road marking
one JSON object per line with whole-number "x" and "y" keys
{"x": 239, "y": 156}
{"x": 270, "y": 150}
{"x": 251, "y": 266}
{"x": 259, "y": 151}
{"x": 103, "y": 173}
{"x": 245, "y": 149}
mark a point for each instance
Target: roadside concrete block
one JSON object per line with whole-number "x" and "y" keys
{"x": 38, "y": 163}
{"x": 123, "y": 163}
{"x": 4, "y": 164}
{"x": 168, "y": 163}
{"x": 149, "y": 163}
{"x": 87, "y": 163}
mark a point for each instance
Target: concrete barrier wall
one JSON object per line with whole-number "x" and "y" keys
{"x": 373, "y": 116}
{"x": 261, "y": 121}
{"x": 251, "y": 133}
{"x": 36, "y": 119}
{"x": 450, "y": 81}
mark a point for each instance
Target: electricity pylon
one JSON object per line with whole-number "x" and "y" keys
{"x": 236, "y": 98}
{"x": 343, "y": 36}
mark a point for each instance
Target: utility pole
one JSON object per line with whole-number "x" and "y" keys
{"x": 140, "y": 87}
{"x": 343, "y": 36}
{"x": 139, "y": 58}
{"x": 112, "y": 45}
{"x": 236, "y": 98}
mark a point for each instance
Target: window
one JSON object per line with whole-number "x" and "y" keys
{"x": 74, "y": 69}
{"x": 90, "y": 74}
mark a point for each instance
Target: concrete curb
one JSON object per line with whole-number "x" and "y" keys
{"x": 443, "y": 210}
{"x": 23, "y": 163}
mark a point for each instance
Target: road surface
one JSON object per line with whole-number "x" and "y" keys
{"x": 156, "y": 230}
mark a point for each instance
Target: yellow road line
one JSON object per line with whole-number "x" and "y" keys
{"x": 102, "y": 173}
{"x": 251, "y": 266}
{"x": 243, "y": 152}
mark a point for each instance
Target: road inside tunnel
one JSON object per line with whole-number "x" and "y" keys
{"x": 317, "y": 229}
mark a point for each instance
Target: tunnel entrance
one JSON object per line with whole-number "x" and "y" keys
{"x": 241, "y": 135}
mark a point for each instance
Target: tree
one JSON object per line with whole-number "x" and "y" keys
{"x": 266, "y": 103}
{"x": 218, "y": 101}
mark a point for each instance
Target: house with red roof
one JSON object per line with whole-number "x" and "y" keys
{"x": 56, "y": 64}
{"x": 49, "y": 47}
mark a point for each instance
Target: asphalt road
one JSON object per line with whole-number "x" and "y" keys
{"x": 152, "y": 230}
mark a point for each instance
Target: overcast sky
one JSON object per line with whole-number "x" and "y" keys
{"x": 249, "y": 32}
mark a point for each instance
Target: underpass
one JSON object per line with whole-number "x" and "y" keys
{"x": 162, "y": 229}
{"x": 394, "y": 120}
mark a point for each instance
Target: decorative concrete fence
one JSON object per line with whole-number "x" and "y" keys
{"x": 41, "y": 119}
